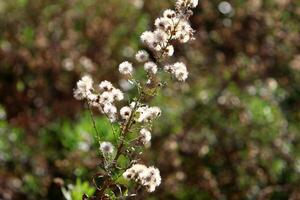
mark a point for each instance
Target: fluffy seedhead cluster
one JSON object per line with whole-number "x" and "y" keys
{"x": 137, "y": 117}
{"x": 103, "y": 98}
{"x": 148, "y": 177}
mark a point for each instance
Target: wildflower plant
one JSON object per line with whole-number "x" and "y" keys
{"x": 135, "y": 120}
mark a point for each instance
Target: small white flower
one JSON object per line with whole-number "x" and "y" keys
{"x": 169, "y": 68}
{"x": 169, "y": 14}
{"x": 170, "y": 50}
{"x": 142, "y": 56}
{"x": 150, "y": 67}
{"x": 194, "y": 3}
{"x": 181, "y": 75}
{"x": 92, "y": 97}
{"x": 106, "y": 86}
{"x": 109, "y": 109}
{"x": 148, "y": 113}
{"x": 125, "y": 112}
{"x": 106, "y": 148}
{"x": 117, "y": 94}
{"x": 84, "y": 88}
{"x": 106, "y": 97}
{"x": 145, "y": 136}
{"x": 155, "y": 111}
{"x": 164, "y": 23}
{"x": 179, "y": 66}
{"x": 147, "y": 37}
{"x": 126, "y": 68}
{"x": 160, "y": 37}
{"x": 86, "y": 83}
{"x": 184, "y": 31}
{"x": 180, "y": 71}
{"x": 134, "y": 104}
{"x": 148, "y": 177}
{"x": 134, "y": 171}
{"x": 181, "y": 4}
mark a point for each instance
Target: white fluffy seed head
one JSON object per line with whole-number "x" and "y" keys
{"x": 169, "y": 68}
{"x": 126, "y": 68}
{"x": 125, "y": 112}
{"x": 161, "y": 37}
{"x": 164, "y": 23}
{"x": 106, "y": 97}
{"x": 106, "y": 86}
{"x": 142, "y": 56}
{"x": 145, "y": 136}
{"x": 117, "y": 94}
{"x": 181, "y": 75}
{"x": 180, "y": 71}
{"x": 155, "y": 111}
{"x": 109, "y": 109}
{"x": 169, "y": 14}
{"x": 147, "y": 37}
{"x": 149, "y": 177}
{"x": 84, "y": 87}
{"x": 150, "y": 67}
{"x": 170, "y": 50}
{"x": 184, "y": 4}
{"x": 106, "y": 148}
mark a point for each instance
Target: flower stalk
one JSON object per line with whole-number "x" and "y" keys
{"x": 137, "y": 118}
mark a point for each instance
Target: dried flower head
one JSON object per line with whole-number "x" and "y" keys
{"x": 125, "y": 112}
{"x": 142, "y": 56}
{"x": 148, "y": 177}
{"x": 106, "y": 148}
{"x": 150, "y": 67}
{"x": 106, "y": 86}
{"x": 145, "y": 136}
{"x": 126, "y": 68}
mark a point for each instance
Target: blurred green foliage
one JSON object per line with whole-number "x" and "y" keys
{"x": 76, "y": 192}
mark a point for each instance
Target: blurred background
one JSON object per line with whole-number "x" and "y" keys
{"x": 231, "y": 131}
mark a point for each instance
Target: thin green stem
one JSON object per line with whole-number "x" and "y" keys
{"x": 94, "y": 123}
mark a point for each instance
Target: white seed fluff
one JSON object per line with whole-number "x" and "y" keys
{"x": 142, "y": 56}
{"x": 126, "y": 68}
{"x": 145, "y": 136}
{"x": 148, "y": 177}
{"x": 125, "y": 112}
{"x": 117, "y": 94}
{"x": 150, "y": 67}
{"x": 106, "y": 148}
{"x": 106, "y": 86}
{"x": 84, "y": 88}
